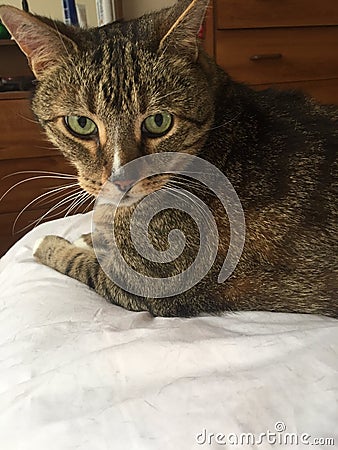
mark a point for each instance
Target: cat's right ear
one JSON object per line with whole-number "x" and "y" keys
{"x": 43, "y": 45}
{"x": 181, "y": 24}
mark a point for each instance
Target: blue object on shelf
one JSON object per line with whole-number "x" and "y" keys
{"x": 70, "y": 14}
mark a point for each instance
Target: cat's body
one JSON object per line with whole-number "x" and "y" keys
{"x": 278, "y": 149}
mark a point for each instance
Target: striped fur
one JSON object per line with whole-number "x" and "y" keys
{"x": 277, "y": 149}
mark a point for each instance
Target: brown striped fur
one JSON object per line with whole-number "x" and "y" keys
{"x": 278, "y": 149}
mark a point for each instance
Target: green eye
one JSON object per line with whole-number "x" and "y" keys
{"x": 80, "y": 126}
{"x": 157, "y": 125}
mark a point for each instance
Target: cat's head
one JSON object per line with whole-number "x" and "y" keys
{"x": 108, "y": 95}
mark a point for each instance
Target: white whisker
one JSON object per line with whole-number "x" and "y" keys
{"x": 29, "y": 119}
{"x": 55, "y": 194}
{"x": 225, "y": 123}
{"x": 41, "y": 147}
{"x": 45, "y": 172}
{"x": 24, "y": 181}
{"x": 59, "y": 204}
{"x": 187, "y": 185}
{"x": 179, "y": 192}
{"x": 90, "y": 204}
{"x": 77, "y": 203}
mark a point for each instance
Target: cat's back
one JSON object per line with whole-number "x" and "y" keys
{"x": 288, "y": 156}
{"x": 297, "y": 107}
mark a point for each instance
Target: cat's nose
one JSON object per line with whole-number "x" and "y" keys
{"x": 124, "y": 185}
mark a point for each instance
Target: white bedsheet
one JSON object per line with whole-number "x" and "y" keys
{"x": 78, "y": 373}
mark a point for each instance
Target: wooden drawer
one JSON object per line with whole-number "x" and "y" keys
{"x": 20, "y": 135}
{"x": 275, "y": 13}
{"x": 24, "y": 193}
{"x": 324, "y": 91}
{"x": 306, "y": 54}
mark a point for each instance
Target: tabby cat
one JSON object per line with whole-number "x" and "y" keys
{"x": 106, "y": 96}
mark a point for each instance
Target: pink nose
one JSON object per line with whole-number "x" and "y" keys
{"x": 124, "y": 185}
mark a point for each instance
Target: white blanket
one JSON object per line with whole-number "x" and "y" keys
{"x": 79, "y": 373}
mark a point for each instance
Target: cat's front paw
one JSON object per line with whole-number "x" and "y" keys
{"x": 48, "y": 249}
{"x": 37, "y": 245}
{"x": 85, "y": 242}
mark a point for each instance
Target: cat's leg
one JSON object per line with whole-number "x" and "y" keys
{"x": 82, "y": 265}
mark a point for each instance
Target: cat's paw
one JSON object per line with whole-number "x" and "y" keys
{"x": 47, "y": 249}
{"x": 85, "y": 242}
{"x": 37, "y": 244}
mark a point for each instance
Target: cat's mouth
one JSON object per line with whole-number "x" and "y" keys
{"x": 123, "y": 193}
{"x": 129, "y": 195}
{"x": 127, "y": 200}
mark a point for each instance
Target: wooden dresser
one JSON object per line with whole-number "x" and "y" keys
{"x": 281, "y": 43}
{"x": 23, "y": 147}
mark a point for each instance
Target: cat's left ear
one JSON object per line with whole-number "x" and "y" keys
{"x": 186, "y": 19}
{"x": 43, "y": 45}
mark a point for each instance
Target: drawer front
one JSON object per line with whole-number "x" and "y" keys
{"x": 25, "y": 192}
{"x": 278, "y": 55}
{"x": 324, "y": 91}
{"x": 20, "y": 135}
{"x": 275, "y": 13}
